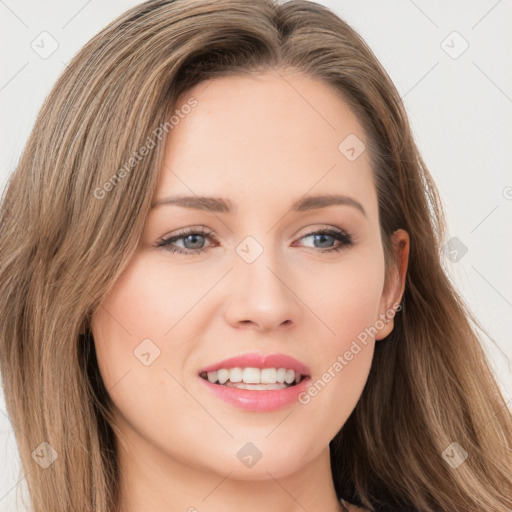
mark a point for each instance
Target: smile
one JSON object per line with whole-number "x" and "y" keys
{"x": 257, "y": 382}
{"x": 254, "y": 378}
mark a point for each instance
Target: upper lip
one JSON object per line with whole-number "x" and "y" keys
{"x": 260, "y": 361}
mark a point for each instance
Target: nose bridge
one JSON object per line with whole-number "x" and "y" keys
{"x": 257, "y": 264}
{"x": 261, "y": 292}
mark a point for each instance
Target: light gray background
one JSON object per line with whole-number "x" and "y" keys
{"x": 459, "y": 106}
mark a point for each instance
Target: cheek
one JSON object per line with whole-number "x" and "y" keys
{"x": 347, "y": 300}
{"x": 129, "y": 335}
{"x": 127, "y": 331}
{"x": 345, "y": 297}
{"x": 140, "y": 315}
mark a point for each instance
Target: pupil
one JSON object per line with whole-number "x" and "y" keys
{"x": 194, "y": 239}
{"x": 322, "y": 237}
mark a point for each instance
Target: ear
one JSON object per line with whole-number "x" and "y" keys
{"x": 394, "y": 289}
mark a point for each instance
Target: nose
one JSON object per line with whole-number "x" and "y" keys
{"x": 261, "y": 295}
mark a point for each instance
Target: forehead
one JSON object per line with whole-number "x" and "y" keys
{"x": 273, "y": 134}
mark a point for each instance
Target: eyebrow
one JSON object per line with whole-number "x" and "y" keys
{"x": 220, "y": 205}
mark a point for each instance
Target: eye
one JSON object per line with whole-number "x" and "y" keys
{"x": 326, "y": 236}
{"x": 193, "y": 240}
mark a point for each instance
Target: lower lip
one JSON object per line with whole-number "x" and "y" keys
{"x": 265, "y": 400}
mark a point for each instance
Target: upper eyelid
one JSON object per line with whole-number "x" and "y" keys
{"x": 210, "y": 234}
{"x": 207, "y": 232}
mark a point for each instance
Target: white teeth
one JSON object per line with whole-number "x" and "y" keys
{"x": 281, "y": 374}
{"x": 223, "y": 376}
{"x": 235, "y": 374}
{"x": 267, "y": 377}
{"x": 251, "y": 375}
{"x": 290, "y": 376}
{"x": 257, "y": 387}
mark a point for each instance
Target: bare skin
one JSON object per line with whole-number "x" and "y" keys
{"x": 262, "y": 143}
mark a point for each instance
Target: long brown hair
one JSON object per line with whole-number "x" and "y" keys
{"x": 71, "y": 220}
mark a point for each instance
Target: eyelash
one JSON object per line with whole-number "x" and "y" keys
{"x": 165, "y": 242}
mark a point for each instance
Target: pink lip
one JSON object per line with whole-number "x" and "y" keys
{"x": 260, "y": 361}
{"x": 258, "y": 400}
{"x": 253, "y": 400}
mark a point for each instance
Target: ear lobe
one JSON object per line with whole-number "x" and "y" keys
{"x": 386, "y": 330}
{"x": 394, "y": 291}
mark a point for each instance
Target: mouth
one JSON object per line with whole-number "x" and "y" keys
{"x": 253, "y": 378}
{"x": 257, "y": 382}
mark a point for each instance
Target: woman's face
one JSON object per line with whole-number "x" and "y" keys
{"x": 253, "y": 280}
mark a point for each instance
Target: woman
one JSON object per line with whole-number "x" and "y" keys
{"x": 221, "y": 283}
